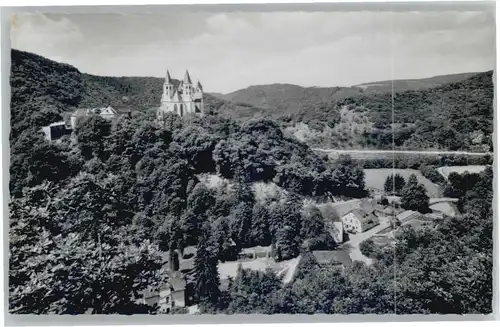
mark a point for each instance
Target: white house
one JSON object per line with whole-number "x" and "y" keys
{"x": 108, "y": 113}
{"x": 359, "y": 221}
{"x": 172, "y": 294}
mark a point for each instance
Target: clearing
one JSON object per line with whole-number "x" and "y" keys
{"x": 375, "y": 179}
{"x": 284, "y": 269}
{"x": 446, "y": 170}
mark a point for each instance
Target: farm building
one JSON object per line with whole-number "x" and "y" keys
{"x": 108, "y": 113}
{"x": 56, "y": 130}
{"x": 359, "y": 221}
{"x": 336, "y": 257}
{"x": 407, "y": 215}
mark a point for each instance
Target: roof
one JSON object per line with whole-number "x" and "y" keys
{"x": 198, "y": 85}
{"x": 59, "y": 123}
{"x": 362, "y": 215}
{"x": 88, "y": 111}
{"x": 168, "y": 79}
{"x": 333, "y": 257}
{"x": 407, "y": 215}
{"x": 187, "y": 78}
{"x": 389, "y": 210}
{"x": 175, "y": 281}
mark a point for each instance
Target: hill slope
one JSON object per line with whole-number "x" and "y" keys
{"x": 291, "y": 99}
{"x": 413, "y": 84}
{"x": 451, "y": 116}
{"x": 288, "y": 99}
{"x": 42, "y": 89}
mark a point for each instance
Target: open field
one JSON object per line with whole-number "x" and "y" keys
{"x": 284, "y": 269}
{"x": 445, "y": 171}
{"x": 445, "y": 207}
{"x": 375, "y": 178}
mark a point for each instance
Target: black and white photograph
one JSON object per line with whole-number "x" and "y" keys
{"x": 204, "y": 160}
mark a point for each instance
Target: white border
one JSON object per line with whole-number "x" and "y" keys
{"x": 4, "y": 142}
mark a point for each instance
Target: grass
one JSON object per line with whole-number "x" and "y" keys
{"x": 283, "y": 269}
{"x": 375, "y": 178}
{"x": 445, "y": 207}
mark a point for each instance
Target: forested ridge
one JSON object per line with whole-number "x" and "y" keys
{"x": 91, "y": 217}
{"x": 450, "y": 116}
{"x": 42, "y": 90}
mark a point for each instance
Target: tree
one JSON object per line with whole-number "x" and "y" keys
{"x": 207, "y": 275}
{"x": 260, "y": 233}
{"x": 241, "y": 213}
{"x": 61, "y": 269}
{"x": 394, "y": 184}
{"x": 414, "y": 196}
{"x": 92, "y": 134}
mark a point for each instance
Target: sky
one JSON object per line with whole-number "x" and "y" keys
{"x": 228, "y": 51}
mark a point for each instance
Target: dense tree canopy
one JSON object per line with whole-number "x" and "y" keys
{"x": 89, "y": 214}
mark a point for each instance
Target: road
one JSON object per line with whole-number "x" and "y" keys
{"x": 356, "y": 239}
{"x": 339, "y": 151}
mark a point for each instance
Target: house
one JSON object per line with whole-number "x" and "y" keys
{"x": 56, "y": 130}
{"x": 108, "y": 113}
{"x": 359, "y": 221}
{"x": 171, "y": 294}
{"x": 407, "y": 216}
{"x": 335, "y": 257}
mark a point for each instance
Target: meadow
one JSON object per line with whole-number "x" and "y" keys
{"x": 375, "y": 179}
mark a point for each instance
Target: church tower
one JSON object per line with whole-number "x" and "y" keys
{"x": 185, "y": 99}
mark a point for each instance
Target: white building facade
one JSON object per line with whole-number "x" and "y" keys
{"x": 186, "y": 99}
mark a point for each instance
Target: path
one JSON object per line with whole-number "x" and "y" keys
{"x": 342, "y": 151}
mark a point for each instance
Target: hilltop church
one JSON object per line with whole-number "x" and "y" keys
{"x": 185, "y": 99}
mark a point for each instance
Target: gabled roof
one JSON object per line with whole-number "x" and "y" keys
{"x": 187, "y": 78}
{"x": 405, "y": 215}
{"x": 364, "y": 217}
{"x": 198, "y": 85}
{"x": 88, "y": 111}
{"x": 59, "y": 123}
{"x": 333, "y": 257}
{"x": 175, "y": 96}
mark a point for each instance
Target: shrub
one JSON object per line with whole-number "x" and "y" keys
{"x": 368, "y": 248}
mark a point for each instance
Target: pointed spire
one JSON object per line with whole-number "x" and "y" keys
{"x": 198, "y": 86}
{"x": 168, "y": 79}
{"x": 187, "y": 78}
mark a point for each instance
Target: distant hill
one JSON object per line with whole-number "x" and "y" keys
{"x": 285, "y": 99}
{"x": 289, "y": 99}
{"x": 413, "y": 84}
{"x": 452, "y": 116}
